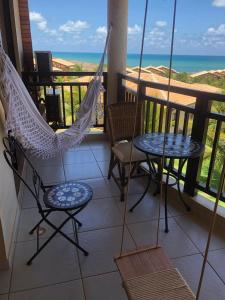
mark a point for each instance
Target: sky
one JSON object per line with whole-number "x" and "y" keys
{"x": 80, "y": 26}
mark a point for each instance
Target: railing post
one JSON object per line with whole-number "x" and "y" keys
{"x": 199, "y": 133}
{"x": 141, "y": 90}
{"x": 105, "y": 98}
{"x": 120, "y": 89}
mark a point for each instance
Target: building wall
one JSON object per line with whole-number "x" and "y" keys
{"x": 9, "y": 207}
{"x": 23, "y": 11}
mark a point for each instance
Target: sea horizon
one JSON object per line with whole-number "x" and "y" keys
{"x": 181, "y": 62}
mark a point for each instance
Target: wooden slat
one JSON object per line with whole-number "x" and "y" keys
{"x": 167, "y": 284}
{"x": 144, "y": 262}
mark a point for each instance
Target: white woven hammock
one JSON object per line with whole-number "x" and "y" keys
{"x": 26, "y": 123}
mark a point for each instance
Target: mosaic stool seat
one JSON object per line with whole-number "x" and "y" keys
{"x": 68, "y": 196}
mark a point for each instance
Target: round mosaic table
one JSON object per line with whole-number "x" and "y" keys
{"x": 177, "y": 146}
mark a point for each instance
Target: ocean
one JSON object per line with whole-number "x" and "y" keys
{"x": 181, "y": 63}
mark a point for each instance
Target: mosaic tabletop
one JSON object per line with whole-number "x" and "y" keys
{"x": 68, "y": 195}
{"x": 176, "y": 145}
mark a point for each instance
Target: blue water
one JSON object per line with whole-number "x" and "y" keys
{"x": 182, "y": 63}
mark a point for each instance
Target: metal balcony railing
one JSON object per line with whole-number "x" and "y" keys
{"x": 203, "y": 121}
{"x": 58, "y": 96}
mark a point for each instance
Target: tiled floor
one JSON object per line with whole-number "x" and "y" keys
{"x": 61, "y": 272}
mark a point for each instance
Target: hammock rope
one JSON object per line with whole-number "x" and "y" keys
{"x": 25, "y": 122}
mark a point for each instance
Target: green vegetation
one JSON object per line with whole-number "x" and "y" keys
{"x": 210, "y": 80}
{"x": 217, "y": 107}
{"x": 78, "y": 68}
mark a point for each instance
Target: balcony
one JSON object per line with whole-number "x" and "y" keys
{"x": 96, "y": 277}
{"x": 61, "y": 272}
{"x": 203, "y": 120}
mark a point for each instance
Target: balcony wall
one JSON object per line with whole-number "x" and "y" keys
{"x": 8, "y": 204}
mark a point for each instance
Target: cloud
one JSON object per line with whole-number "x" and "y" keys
{"x": 220, "y": 30}
{"x": 37, "y": 18}
{"x": 134, "y": 30}
{"x": 160, "y": 23}
{"x": 74, "y": 26}
{"x": 218, "y": 3}
{"x": 102, "y": 30}
{"x": 41, "y": 22}
{"x": 214, "y": 37}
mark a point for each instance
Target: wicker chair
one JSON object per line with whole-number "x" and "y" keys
{"x": 121, "y": 118}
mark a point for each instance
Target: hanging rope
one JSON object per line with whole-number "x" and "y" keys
{"x": 167, "y": 115}
{"x": 220, "y": 190}
{"x": 134, "y": 128}
{"x": 136, "y": 110}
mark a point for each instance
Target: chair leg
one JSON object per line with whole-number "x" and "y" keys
{"x": 111, "y": 165}
{"x": 123, "y": 184}
{"x": 39, "y": 223}
{"x": 58, "y": 230}
{"x": 77, "y": 221}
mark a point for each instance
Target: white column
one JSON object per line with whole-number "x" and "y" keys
{"x": 117, "y": 50}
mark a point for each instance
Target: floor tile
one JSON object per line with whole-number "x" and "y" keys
{"x": 103, "y": 245}
{"x": 82, "y": 171}
{"x": 28, "y": 200}
{"x": 147, "y": 210}
{"x": 104, "y": 167}
{"x": 100, "y": 213}
{"x": 190, "y": 266}
{"x": 216, "y": 259}
{"x": 106, "y": 286}
{"x": 83, "y": 146}
{"x": 102, "y": 188}
{"x": 197, "y": 230}
{"x": 175, "y": 206}
{"x": 3, "y": 297}
{"x": 101, "y": 154}
{"x": 56, "y": 263}
{"x": 176, "y": 243}
{"x": 99, "y": 144}
{"x": 67, "y": 291}
{"x": 78, "y": 157}
{"x": 137, "y": 185}
{"x": 5, "y": 281}
{"x": 30, "y": 217}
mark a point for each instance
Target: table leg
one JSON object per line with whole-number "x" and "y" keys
{"x": 143, "y": 195}
{"x": 166, "y": 199}
{"x": 178, "y": 185}
{"x": 147, "y": 187}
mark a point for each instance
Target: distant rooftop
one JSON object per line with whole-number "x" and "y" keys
{"x": 174, "y": 97}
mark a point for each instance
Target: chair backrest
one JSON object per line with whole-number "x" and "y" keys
{"x": 121, "y": 118}
{"x": 12, "y": 146}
